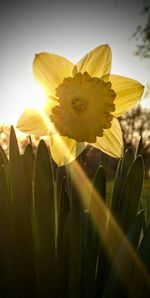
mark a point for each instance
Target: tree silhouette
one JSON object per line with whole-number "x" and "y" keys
{"x": 136, "y": 124}
{"x": 142, "y": 33}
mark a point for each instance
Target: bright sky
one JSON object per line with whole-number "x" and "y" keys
{"x": 66, "y": 28}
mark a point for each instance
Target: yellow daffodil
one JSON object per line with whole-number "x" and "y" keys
{"x": 83, "y": 103}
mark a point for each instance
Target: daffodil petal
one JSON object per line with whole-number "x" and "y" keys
{"x": 64, "y": 150}
{"x": 128, "y": 93}
{"x": 111, "y": 142}
{"x": 97, "y": 62}
{"x": 49, "y": 104}
{"x": 50, "y": 70}
{"x": 34, "y": 122}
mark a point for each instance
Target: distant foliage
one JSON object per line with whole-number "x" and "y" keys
{"x": 135, "y": 124}
{"x": 23, "y": 139}
{"x": 142, "y": 34}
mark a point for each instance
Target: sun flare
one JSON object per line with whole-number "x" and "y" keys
{"x": 32, "y": 96}
{"x": 34, "y": 99}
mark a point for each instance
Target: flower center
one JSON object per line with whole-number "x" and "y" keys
{"x": 79, "y": 105}
{"x": 85, "y": 106}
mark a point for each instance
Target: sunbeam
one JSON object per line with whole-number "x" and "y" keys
{"x": 105, "y": 223}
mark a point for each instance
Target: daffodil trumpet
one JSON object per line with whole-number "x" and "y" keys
{"x": 83, "y": 102}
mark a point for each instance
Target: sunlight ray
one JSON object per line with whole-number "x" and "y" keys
{"x": 100, "y": 215}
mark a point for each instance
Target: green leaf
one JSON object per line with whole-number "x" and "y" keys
{"x": 126, "y": 164}
{"x": 13, "y": 146}
{"x": 7, "y": 239}
{"x": 60, "y": 185}
{"x": 99, "y": 182}
{"x": 116, "y": 189}
{"x": 139, "y": 147}
{"x": 14, "y": 161}
{"x": 140, "y": 282}
{"x": 29, "y": 156}
{"x": 21, "y": 193}
{"x": 93, "y": 244}
{"x": 4, "y": 161}
{"x": 91, "y": 253}
{"x": 45, "y": 221}
{"x": 118, "y": 282}
{"x": 121, "y": 174}
{"x": 131, "y": 194}
{"x": 77, "y": 225}
{"x": 63, "y": 242}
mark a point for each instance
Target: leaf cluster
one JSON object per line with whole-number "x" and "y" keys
{"x": 57, "y": 241}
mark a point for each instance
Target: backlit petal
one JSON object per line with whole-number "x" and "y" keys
{"x": 111, "y": 142}
{"x": 34, "y": 122}
{"x": 50, "y": 70}
{"x": 97, "y": 62}
{"x": 128, "y": 93}
{"x": 64, "y": 150}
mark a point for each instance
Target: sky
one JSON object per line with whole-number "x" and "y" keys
{"x": 67, "y": 28}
